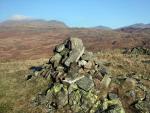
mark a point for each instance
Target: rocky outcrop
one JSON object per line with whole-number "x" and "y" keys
{"x": 137, "y": 50}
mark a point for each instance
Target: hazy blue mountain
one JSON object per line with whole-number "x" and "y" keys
{"x": 102, "y": 27}
{"x": 33, "y": 23}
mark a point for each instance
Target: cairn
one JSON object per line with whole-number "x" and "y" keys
{"x": 78, "y": 82}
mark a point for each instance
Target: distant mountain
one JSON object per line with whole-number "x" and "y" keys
{"x": 140, "y": 25}
{"x": 33, "y": 23}
{"x": 136, "y": 26}
{"x": 102, "y": 27}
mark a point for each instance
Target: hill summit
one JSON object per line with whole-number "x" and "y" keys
{"x": 80, "y": 83}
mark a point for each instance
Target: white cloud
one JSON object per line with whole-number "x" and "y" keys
{"x": 19, "y": 17}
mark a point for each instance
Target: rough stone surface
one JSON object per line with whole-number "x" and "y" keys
{"x": 78, "y": 82}
{"x": 77, "y": 49}
{"x": 85, "y": 83}
{"x": 60, "y": 48}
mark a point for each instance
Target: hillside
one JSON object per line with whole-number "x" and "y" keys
{"x": 35, "y": 39}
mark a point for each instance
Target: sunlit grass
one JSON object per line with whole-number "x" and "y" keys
{"x": 16, "y": 93}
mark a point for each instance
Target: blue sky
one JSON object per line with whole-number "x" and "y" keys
{"x": 79, "y": 13}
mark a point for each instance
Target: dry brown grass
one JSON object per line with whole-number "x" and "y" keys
{"x": 121, "y": 64}
{"x": 16, "y": 93}
{"x": 39, "y": 42}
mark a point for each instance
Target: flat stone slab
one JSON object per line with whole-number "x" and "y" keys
{"x": 71, "y": 81}
{"x": 85, "y": 83}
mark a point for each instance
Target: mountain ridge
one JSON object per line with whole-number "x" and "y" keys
{"x": 61, "y": 24}
{"x": 33, "y": 23}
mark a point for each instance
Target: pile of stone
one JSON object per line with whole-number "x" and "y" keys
{"x": 137, "y": 50}
{"x": 80, "y": 83}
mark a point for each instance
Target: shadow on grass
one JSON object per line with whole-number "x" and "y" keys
{"x": 36, "y": 68}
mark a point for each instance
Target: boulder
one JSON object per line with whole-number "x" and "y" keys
{"x": 74, "y": 56}
{"x": 60, "y": 48}
{"x": 77, "y": 50}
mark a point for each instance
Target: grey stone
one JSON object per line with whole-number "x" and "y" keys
{"x": 112, "y": 95}
{"x": 88, "y": 100}
{"x": 112, "y": 106}
{"x": 77, "y": 49}
{"x": 148, "y": 96}
{"x": 87, "y": 56}
{"x": 104, "y": 85}
{"x": 105, "y": 82}
{"x": 60, "y": 68}
{"x": 56, "y": 59}
{"x": 82, "y": 63}
{"x": 74, "y": 56}
{"x": 62, "y": 98}
{"x": 103, "y": 71}
{"x": 72, "y": 87}
{"x": 143, "y": 106}
{"x": 64, "y": 52}
{"x": 49, "y": 96}
{"x": 115, "y": 109}
{"x": 59, "y": 47}
{"x": 85, "y": 83}
{"x": 76, "y": 43}
{"x": 69, "y": 80}
{"x": 88, "y": 65}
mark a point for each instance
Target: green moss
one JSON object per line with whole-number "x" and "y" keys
{"x": 57, "y": 87}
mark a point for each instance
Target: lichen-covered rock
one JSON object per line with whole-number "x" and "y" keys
{"x": 57, "y": 87}
{"x": 142, "y": 107}
{"x": 111, "y": 106}
{"x": 74, "y": 101}
{"x": 85, "y": 83}
{"x": 72, "y": 88}
{"x": 62, "y": 97}
{"x": 88, "y": 100}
